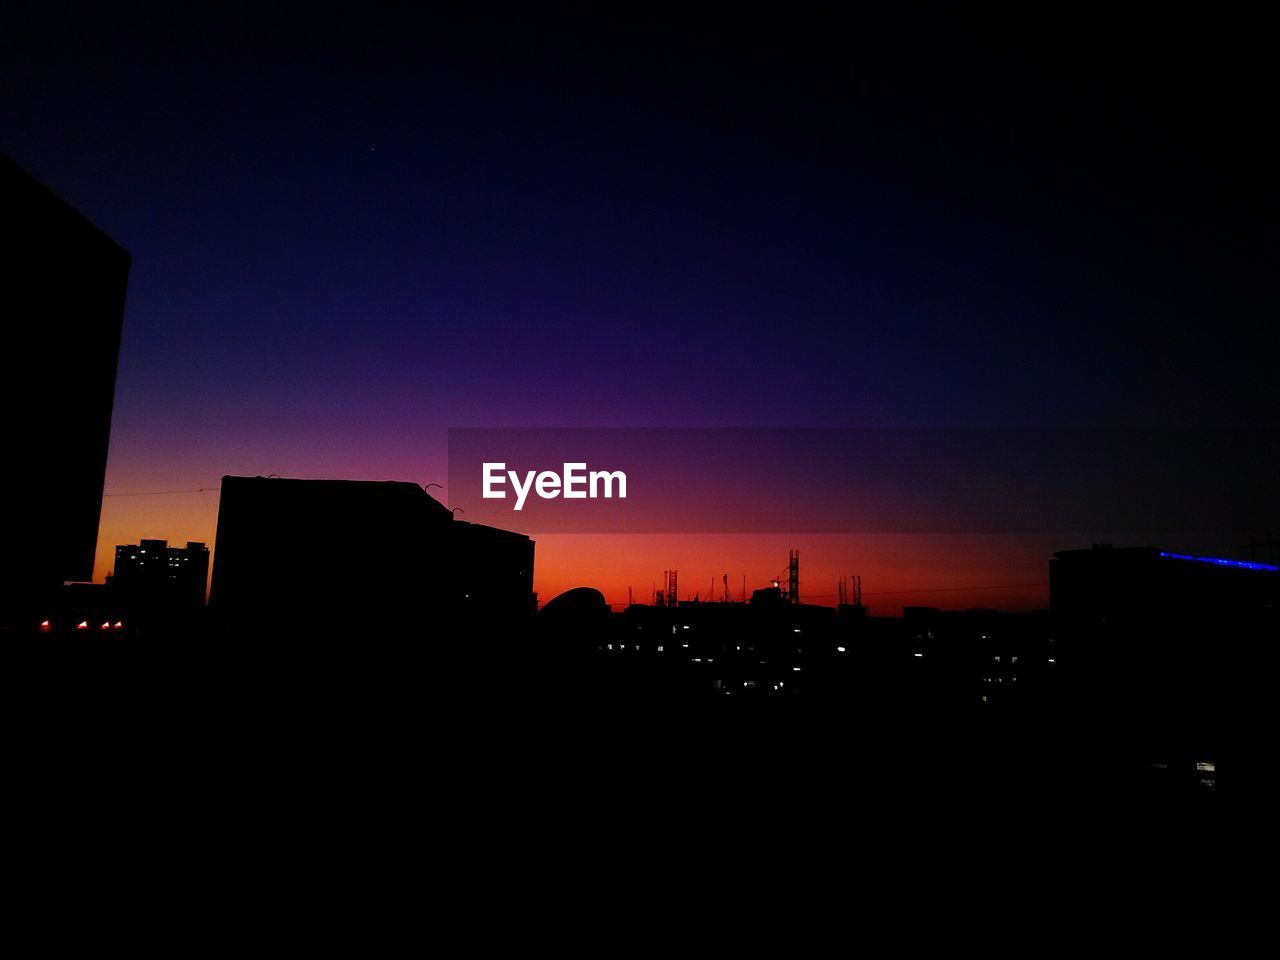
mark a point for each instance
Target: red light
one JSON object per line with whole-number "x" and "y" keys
{"x": 119, "y": 625}
{"x": 82, "y": 625}
{"x": 106, "y": 625}
{"x": 45, "y": 626}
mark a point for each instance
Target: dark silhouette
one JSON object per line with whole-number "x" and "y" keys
{"x": 152, "y": 573}
{"x": 1158, "y": 642}
{"x": 381, "y": 562}
{"x": 160, "y": 588}
{"x": 64, "y": 287}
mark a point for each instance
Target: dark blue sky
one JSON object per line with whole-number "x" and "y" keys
{"x": 857, "y": 220}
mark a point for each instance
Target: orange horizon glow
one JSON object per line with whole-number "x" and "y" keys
{"x": 948, "y": 571}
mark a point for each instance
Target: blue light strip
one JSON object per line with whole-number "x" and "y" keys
{"x": 1220, "y": 562}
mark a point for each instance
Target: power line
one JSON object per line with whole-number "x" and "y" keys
{"x": 988, "y": 586}
{"x": 160, "y": 493}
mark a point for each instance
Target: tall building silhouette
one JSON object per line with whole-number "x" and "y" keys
{"x": 63, "y": 281}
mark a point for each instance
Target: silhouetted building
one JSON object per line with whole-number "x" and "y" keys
{"x": 1160, "y": 641}
{"x": 768, "y": 597}
{"x": 155, "y": 576}
{"x": 63, "y": 284}
{"x": 299, "y": 556}
{"x": 1143, "y": 584}
{"x": 491, "y": 572}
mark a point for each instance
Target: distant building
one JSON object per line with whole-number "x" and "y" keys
{"x": 151, "y": 575}
{"x": 294, "y": 556}
{"x": 63, "y": 285}
{"x": 768, "y": 597}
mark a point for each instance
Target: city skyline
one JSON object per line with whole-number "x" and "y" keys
{"x": 924, "y": 358}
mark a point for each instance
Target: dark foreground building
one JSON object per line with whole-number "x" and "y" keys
{"x": 63, "y": 284}
{"x": 1160, "y": 646}
{"x": 303, "y": 558}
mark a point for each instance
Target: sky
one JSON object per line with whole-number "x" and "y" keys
{"x": 353, "y": 229}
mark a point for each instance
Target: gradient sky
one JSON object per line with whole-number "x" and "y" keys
{"x": 352, "y": 231}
